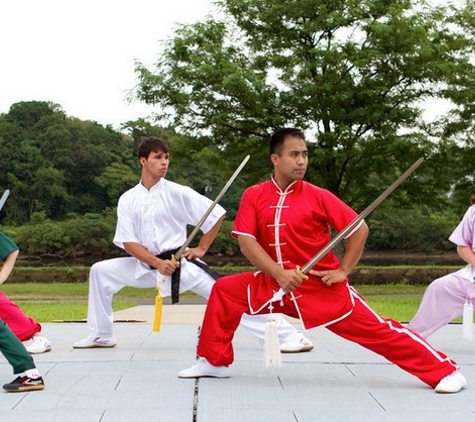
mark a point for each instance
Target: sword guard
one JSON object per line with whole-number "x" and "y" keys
{"x": 174, "y": 260}
{"x": 300, "y": 273}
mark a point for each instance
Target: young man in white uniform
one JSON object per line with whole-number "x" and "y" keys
{"x": 152, "y": 220}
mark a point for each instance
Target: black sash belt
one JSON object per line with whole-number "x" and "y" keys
{"x": 176, "y": 273}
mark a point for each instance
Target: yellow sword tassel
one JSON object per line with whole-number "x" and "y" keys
{"x": 157, "y": 320}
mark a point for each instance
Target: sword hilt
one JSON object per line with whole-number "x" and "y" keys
{"x": 300, "y": 273}
{"x": 280, "y": 293}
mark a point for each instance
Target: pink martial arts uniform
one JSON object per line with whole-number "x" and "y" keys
{"x": 292, "y": 226}
{"x": 22, "y": 326}
{"x": 445, "y": 297}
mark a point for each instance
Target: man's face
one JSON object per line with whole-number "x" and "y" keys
{"x": 292, "y": 164}
{"x": 156, "y": 165}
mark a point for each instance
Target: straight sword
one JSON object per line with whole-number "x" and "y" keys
{"x": 176, "y": 257}
{"x": 337, "y": 239}
{"x": 4, "y": 198}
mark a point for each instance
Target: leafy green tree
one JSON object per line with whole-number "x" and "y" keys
{"x": 50, "y": 191}
{"x": 417, "y": 229}
{"x": 92, "y": 233}
{"x": 352, "y": 73}
{"x": 116, "y": 179}
{"x": 42, "y": 236}
{"x": 30, "y": 114}
{"x": 59, "y": 164}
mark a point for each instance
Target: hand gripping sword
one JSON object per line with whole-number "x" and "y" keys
{"x": 4, "y": 198}
{"x": 176, "y": 256}
{"x": 302, "y": 272}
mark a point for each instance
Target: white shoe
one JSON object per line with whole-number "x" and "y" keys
{"x": 204, "y": 369}
{"x": 40, "y": 345}
{"x": 296, "y": 343}
{"x": 452, "y": 383}
{"x": 93, "y": 340}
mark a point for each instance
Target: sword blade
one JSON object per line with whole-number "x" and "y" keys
{"x": 337, "y": 239}
{"x": 210, "y": 209}
{"x": 4, "y": 198}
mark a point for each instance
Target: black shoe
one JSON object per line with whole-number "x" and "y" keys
{"x": 24, "y": 384}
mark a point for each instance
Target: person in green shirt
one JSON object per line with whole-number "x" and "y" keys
{"x": 24, "y": 327}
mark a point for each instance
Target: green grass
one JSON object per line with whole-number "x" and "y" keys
{"x": 52, "y": 301}
{"x": 46, "y": 302}
{"x": 50, "y": 311}
{"x": 400, "y": 308}
{"x": 66, "y": 291}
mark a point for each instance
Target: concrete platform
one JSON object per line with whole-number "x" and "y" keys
{"x": 137, "y": 380}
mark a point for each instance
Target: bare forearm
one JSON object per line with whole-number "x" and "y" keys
{"x": 208, "y": 238}
{"x": 165, "y": 266}
{"x": 142, "y": 254}
{"x": 258, "y": 257}
{"x": 205, "y": 242}
{"x": 353, "y": 252}
{"x": 354, "y": 249}
{"x": 466, "y": 254}
{"x": 7, "y": 266}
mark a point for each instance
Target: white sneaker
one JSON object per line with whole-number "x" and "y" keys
{"x": 40, "y": 345}
{"x": 452, "y": 383}
{"x": 204, "y": 369}
{"x": 93, "y": 340}
{"x": 296, "y": 343}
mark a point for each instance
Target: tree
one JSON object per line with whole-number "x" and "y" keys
{"x": 59, "y": 164}
{"x": 352, "y": 73}
{"x": 116, "y": 179}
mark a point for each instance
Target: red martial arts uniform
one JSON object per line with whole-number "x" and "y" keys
{"x": 293, "y": 226}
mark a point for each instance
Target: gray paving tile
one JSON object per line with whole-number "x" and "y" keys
{"x": 137, "y": 380}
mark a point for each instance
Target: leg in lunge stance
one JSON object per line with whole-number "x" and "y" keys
{"x": 400, "y": 346}
{"x": 386, "y": 337}
{"x": 28, "y": 377}
{"x": 445, "y": 297}
{"x": 290, "y": 340}
{"x": 441, "y": 303}
{"x": 108, "y": 277}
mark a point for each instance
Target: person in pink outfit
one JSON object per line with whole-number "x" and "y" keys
{"x": 24, "y": 327}
{"x": 281, "y": 224}
{"x": 444, "y": 298}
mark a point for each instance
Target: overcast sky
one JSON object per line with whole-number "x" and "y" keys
{"x": 81, "y": 54}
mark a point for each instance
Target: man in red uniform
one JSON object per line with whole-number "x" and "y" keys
{"x": 282, "y": 224}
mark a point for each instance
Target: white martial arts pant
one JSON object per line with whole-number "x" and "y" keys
{"x": 107, "y": 277}
{"x": 442, "y": 302}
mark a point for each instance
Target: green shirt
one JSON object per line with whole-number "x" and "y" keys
{"x": 7, "y": 246}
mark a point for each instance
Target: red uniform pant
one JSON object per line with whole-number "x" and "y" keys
{"x": 22, "y": 326}
{"x": 386, "y": 337}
